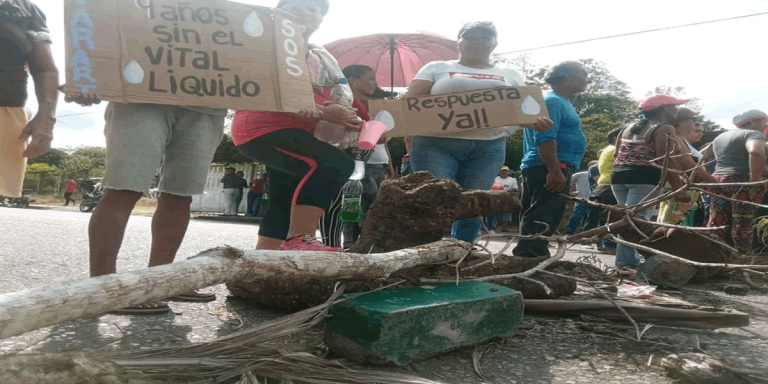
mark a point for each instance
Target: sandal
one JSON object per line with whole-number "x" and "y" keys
{"x": 195, "y": 296}
{"x": 151, "y": 308}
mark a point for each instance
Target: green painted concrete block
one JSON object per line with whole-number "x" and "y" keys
{"x": 666, "y": 272}
{"x": 406, "y": 324}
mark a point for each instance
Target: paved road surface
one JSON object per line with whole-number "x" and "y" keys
{"x": 38, "y": 247}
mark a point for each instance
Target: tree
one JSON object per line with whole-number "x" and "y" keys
{"x": 85, "y": 162}
{"x": 228, "y": 153}
{"x": 55, "y": 157}
{"x": 596, "y": 128}
{"x": 694, "y": 104}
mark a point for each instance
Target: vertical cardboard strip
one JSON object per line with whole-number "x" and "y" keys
{"x": 276, "y": 63}
{"x": 292, "y": 77}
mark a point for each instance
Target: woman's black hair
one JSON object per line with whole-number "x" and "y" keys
{"x": 356, "y": 71}
{"x": 558, "y": 73}
{"x": 382, "y": 94}
{"x": 323, "y": 6}
{"x": 611, "y": 136}
{"x": 644, "y": 117}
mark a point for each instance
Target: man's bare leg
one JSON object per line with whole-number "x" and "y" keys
{"x": 169, "y": 225}
{"x": 107, "y": 228}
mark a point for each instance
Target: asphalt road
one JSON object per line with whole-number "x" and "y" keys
{"x": 39, "y": 247}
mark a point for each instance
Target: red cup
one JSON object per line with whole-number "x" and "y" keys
{"x": 370, "y": 134}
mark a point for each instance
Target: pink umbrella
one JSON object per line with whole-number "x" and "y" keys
{"x": 396, "y": 58}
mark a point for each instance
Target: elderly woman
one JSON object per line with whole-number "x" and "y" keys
{"x": 550, "y": 158}
{"x": 471, "y": 158}
{"x": 639, "y": 146}
{"x": 675, "y": 211}
{"x": 305, "y": 174}
{"x": 740, "y": 155}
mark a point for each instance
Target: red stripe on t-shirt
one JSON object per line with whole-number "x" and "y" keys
{"x": 478, "y": 76}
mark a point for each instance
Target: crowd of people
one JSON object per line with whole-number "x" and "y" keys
{"x": 305, "y": 174}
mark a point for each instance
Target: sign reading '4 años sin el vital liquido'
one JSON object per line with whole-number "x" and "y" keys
{"x": 218, "y": 54}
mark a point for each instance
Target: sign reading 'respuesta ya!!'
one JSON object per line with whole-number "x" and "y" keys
{"x": 201, "y": 53}
{"x": 461, "y": 112}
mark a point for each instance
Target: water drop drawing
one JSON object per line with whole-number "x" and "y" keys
{"x": 252, "y": 25}
{"x": 133, "y": 73}
{"x": 531, "y": 106}
{"x": 385, "y": 117}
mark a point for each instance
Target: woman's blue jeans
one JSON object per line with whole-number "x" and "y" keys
{"x": 474, "y": 164}
{"x": 629, "y": 195}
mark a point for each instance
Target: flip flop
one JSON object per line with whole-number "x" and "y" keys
{"x": 198, "y": 297}
{"x": 153, "y": 308}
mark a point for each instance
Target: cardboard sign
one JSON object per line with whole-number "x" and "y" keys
{"x": 461, "y": 112}
{"x": 203, "y": 53}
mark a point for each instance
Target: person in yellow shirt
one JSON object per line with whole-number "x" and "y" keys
{"x": 603, "y": 192}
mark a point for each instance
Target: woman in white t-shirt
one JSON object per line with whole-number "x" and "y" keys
{"x": 472, "y": 158}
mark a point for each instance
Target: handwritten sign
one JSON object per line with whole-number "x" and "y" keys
{"x": 460, "y": 112}
{"x": 203, "y": 53}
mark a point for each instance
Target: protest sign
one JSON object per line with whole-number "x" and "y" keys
{"x": 219, "y": 54}
{"x": 461, "y": 112}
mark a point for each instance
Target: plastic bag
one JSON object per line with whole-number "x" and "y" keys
{"x": 635, "y": 291}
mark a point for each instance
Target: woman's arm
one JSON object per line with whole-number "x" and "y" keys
{"x": 687, "y": 163}
{"x": 420, "y": 88}
{"x": 664, "y": 141}
{"x": 756, "y": 150}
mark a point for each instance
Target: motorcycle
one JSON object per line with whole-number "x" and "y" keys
{"x": 91, "y": 199}
{"x": 17, "y": 202}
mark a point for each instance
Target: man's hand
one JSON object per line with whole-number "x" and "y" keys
{"x": 342, "y": 115}
{"x": 541, "y": 125}
{"x": 390, "y": 172}
{"x": 84, "y": 99}
{"x": 555, "y": 181}
{"x": 40, "y": 129}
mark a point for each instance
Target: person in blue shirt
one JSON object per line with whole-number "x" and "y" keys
{"x": 550, "y": 158}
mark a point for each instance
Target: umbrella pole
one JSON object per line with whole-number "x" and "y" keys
{"x": 392, "y": 50}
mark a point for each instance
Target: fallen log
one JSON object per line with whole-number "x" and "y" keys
{"x": 703, "y": 318}
{"x": 47, "y": 305}
{"x": 418, "y": 208}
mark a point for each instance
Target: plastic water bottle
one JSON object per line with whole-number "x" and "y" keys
{"x": 352, "y": 193}
{"x": 332, "y": 133}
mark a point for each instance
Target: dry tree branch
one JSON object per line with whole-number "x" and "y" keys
{"x": 603, "y": 294}
{"x": 693, "y": 263}
{"x": 632, "y": 223}
{"x": 729, "y": 198}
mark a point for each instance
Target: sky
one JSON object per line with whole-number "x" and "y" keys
{"x": 721, "y": 64}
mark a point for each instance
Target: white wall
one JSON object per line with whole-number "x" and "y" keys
{"x": 212, "y": 199}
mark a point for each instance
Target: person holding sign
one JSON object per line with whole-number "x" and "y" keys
{"x": 550, "y": 158}
{"x": 472, "y": 158}
{"x": 305, "y": 174}
{"x": 24, "y": 44}
{"x": 140, "y": 138}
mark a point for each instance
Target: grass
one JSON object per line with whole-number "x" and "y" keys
{"x": 143, "y": 206}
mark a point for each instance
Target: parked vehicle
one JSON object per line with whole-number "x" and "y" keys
{"x": 91, "y": 199}
{"x": 17, "y": 202}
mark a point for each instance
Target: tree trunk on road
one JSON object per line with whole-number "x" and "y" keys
{"x": 418, "y": 208}
{"x": 47, "y": 305}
